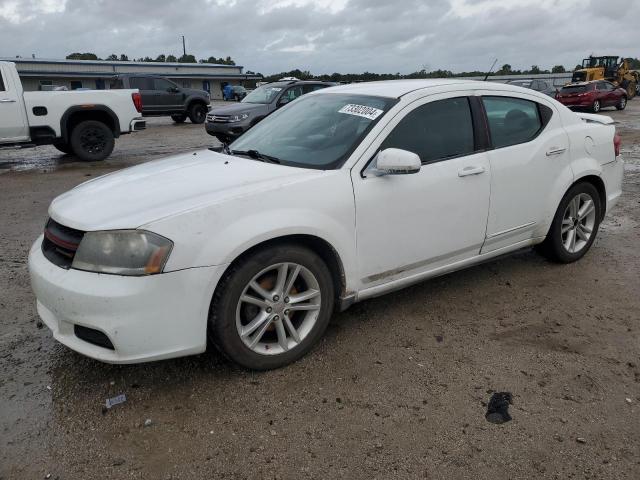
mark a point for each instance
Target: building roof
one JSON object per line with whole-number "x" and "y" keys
{"x": 114, "y": 63}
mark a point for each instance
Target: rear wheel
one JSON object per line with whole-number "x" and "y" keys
{"x": 197, "y": 113}
{"x": 179, "y": 118}
{"x": 92, "y": 141}
{"x": 622, "y": 104}
{"x": 595, "y": 108}
{"x": 271, "y": 308}
{"x": 575, "y": 225}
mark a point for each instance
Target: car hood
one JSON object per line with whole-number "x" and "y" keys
{"x": 239, "y": 107}
{"x": 145, "y": 193}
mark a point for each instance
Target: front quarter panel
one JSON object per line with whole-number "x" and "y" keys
{"x": 321, "y": 205}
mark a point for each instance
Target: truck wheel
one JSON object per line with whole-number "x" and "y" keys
{"x": 197, "y": 113}
{"x": 62, "y": 146}
{"x": 179, "y": 118}
{"x": 92, "y": 141}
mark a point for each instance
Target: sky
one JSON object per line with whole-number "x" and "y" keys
{"x": 326, "y": 36}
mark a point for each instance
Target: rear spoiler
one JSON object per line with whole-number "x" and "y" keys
{"x": 591, "y": 118}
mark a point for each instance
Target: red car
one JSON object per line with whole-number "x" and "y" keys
{"x": 593, "y": 95}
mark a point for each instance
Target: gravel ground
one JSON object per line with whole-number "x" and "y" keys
{"x": 398, "y": 387}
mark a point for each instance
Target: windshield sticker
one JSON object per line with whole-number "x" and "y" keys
{"x": 361, "y": 111}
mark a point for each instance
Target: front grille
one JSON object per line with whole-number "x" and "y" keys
{"x": 60, "y": 243}
{"x": 218, "y": 118}
{"x": 92, "y": 336}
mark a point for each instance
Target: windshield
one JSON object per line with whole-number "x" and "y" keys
{"x": 264, "y": 94}
{"x": 316, "y": 131}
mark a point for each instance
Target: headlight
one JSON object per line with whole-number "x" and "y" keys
{"x": 122, "y": 252}
{"x": 238, "y": 118}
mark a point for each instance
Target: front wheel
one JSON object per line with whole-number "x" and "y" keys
{"x": 272, "y": 307}
{"x": 198, "y": 113}
{"x": 92, "y": 141}
{"x": 622, "y": 104}
{"x": 595, "y": 108}
{"x": 575, "y": 225}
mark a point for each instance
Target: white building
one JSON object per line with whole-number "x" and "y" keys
{"x": 97, "y": 74}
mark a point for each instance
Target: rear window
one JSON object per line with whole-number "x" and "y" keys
{"x": 116, "y": 84}
{"x": 575, "y": 89}
{"x": 141, "y": 83}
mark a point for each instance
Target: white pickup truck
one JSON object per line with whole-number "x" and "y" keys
{"x": 85, "y": 123}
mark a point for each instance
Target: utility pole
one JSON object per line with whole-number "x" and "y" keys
{"x": 184, "y": 48}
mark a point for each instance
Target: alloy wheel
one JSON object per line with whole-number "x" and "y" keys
{"x": 578, "y": 223}
{"x": 278, "y": 308}
{"x": 596, "y": 106}
{"x": 93, "y": 140}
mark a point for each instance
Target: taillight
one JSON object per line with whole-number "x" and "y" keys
{"x": 137, "y": 101}
{"x": 617, "y": 142}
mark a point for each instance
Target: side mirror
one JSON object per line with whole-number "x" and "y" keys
{"x": 394, "y": 161}
{"x": 172, "y": 90}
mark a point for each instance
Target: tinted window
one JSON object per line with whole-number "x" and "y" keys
{"x": 141, "y": 83}
{"x": 1, "y": 83}
{"x": 435, "y": 131}
{"x": 115, "y": 84}
{"x": 512, "y": 120}
{"x": 291, "y": 94}
{"x": 75, "y": 84}
{"x": 162, "y": 84}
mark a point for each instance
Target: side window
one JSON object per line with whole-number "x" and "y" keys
{"x": 513, "y": 120}
{"x": 2, "y": 89}
{"x": 76, "y": 84}
{"x": 141, "y": 83}
{"x": 435, "y": 131}
{"x": 117, "y": 83}
{"x": 291, "y": 94}
{"x": 162, "y": 84}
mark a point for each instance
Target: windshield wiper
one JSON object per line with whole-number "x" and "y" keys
{"x": 256, "y": 155}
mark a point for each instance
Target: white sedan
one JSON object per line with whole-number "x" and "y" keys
{"x": 345, "y": 194}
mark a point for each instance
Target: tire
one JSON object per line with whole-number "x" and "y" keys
{"x": 270, "y": 326}
{"x": 197, "y": 113}
{"x": 622, "y": 104}
{"x": 91, "y": 141}
{"x": 179, "y": 118}
{"x": 565, "y": 226}
{"x": 62, "y": 146}
{"x": 595, "y": 108}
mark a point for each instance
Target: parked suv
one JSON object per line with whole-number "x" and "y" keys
{"x": 229, "y": 122}
{"x": 162, "y": 97}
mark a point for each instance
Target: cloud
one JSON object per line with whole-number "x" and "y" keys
{"x": 326, "y": 36}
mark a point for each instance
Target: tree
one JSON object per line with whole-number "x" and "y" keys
{"x": 124, "y": 58}
{"x": 82, "y": 56}
{"x": 578, "y": 67}
{"x": 112, "y": 58}
{"x": 558, "y": 69}
{"x": 187, "y": 59}
{"x": 504, "y": 70}
{"x": 161, "y": 58}
{"x": 534, "y": 70}
{"x": 171, "y": 59}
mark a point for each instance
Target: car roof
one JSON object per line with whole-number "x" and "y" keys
{"x": 286, "y": 83}
{"x": 399, "y": 88}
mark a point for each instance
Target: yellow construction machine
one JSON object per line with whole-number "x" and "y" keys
{"x": 613, "y": 69}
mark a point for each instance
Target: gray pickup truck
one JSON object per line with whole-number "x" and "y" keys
{"x": 162, "y": 97}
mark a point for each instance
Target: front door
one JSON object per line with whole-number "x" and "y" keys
{"x": 408, "y": 224}
{"x": 13, "y": 122}
{"x": 169, "y": 95}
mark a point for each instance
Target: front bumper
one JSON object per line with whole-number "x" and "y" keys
{"x": 231, "y": 130}
{"x": 145, "y": 318}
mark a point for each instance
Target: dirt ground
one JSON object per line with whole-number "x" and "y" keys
{"x": 397, "y": 389}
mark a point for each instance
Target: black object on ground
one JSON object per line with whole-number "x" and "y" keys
{"x": 498, "y": 408}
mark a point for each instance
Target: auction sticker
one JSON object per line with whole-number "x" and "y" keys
{"x": 361, "y": 111}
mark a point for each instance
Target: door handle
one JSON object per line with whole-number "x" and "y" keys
{"x": 555, "y": 151}
{"x": 7, "y": 100}
{"x": 472, "y": 170}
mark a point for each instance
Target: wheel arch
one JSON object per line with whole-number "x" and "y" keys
{"x": 193, "y": 101}
{"x": 316, "y": 244}
{"x": 101, "y": 113}
{"x": 598, "y": 183}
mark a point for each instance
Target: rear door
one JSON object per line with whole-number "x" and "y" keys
{"x": 529, "y": 159}
{"x": 13, "y": 122}
{"x": 151, "y": 103}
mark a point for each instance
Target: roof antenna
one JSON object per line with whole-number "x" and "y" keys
{"x": 490, "y": 70}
